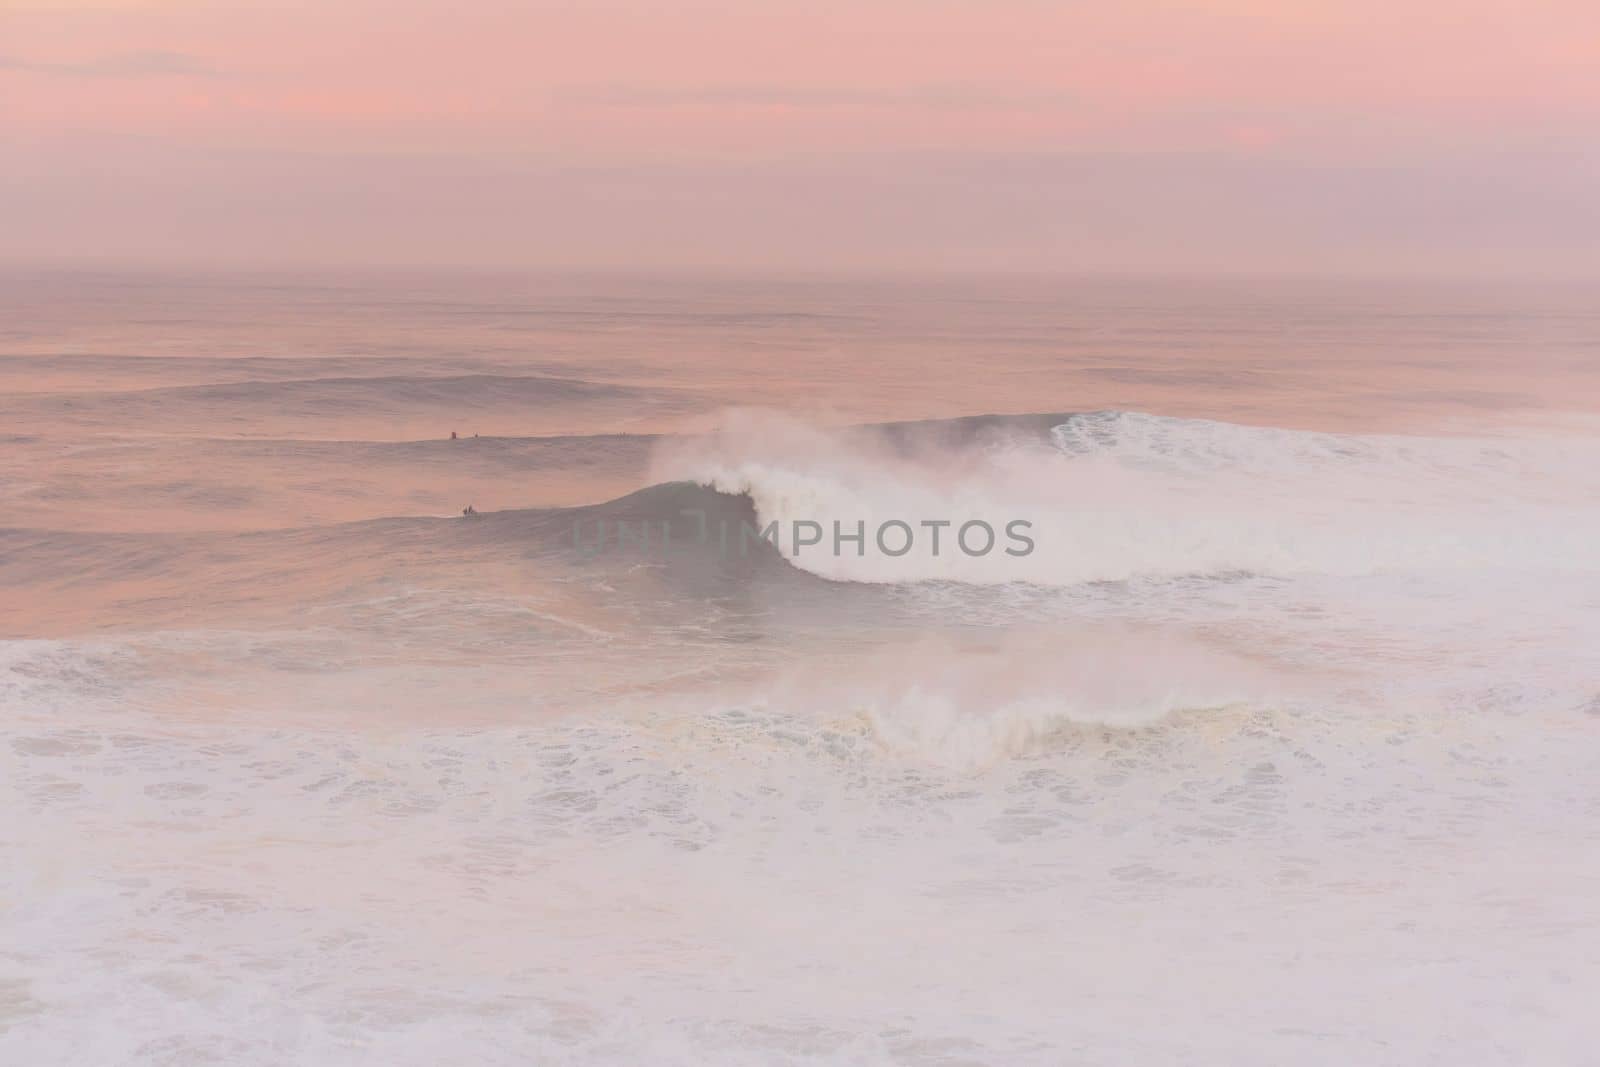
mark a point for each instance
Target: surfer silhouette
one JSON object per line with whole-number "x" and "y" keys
{"x": 469, "y": 512}
{"x": 452, "y": 435}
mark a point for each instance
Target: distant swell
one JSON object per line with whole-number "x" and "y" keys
{"x": 333, "y": 396}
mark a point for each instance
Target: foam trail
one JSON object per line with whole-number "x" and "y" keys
{"x": 970, "y": 706}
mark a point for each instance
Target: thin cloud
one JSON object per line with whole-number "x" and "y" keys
{"x": 916, "y": 97}
{"x": 142, "y": 64}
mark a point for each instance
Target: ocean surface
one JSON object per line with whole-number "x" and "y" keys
{"x": 1278, "y": 741}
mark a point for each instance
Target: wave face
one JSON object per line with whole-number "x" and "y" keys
{"x": 1113, "y": 496}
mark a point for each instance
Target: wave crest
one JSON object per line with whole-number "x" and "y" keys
{"x": 1111, "y": 496}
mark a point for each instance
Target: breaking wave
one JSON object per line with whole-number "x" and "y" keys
{"x": 1110, "y": 496}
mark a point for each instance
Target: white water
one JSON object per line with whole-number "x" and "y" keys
{"x": 760, "y": 886}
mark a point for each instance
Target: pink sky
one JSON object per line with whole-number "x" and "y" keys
{"x": 1410, "y": 135}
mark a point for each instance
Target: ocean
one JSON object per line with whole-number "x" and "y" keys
{"x": 1264, "y": 728}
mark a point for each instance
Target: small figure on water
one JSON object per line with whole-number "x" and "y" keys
{"x": 469, "y": 512}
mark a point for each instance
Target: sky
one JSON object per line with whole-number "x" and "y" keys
{"x": 1148, "y": 136}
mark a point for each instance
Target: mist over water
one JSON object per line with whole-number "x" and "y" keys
{"x": 1278, "y": 746}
